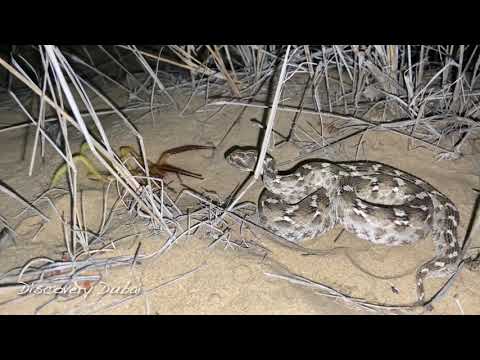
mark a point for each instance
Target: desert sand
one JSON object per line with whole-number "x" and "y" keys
{"x": 193, "y": 277}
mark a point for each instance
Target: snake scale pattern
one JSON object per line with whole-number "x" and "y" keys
{"x": 374, "y": 201}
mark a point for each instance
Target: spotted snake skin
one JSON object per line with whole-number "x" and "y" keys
{"x": 374, "y": 201}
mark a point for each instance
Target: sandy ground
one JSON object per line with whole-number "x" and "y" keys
{"x": 192, "y": 278}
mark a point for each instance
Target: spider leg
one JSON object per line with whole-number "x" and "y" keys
{"x": 174, "y": 169}
{"x": 167, "y": 153}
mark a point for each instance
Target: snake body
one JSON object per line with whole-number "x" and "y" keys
{"x": 374, "y": 201}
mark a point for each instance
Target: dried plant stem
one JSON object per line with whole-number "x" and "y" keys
{"x": 131, "y": 184}
{"x": 267, "y": 134}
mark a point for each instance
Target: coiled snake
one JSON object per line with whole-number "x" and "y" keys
{"x": 374, "y": 201}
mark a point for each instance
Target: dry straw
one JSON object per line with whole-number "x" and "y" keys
{"x": 431, "y": 90}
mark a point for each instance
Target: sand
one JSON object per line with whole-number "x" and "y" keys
{"x": 193, "y": 278}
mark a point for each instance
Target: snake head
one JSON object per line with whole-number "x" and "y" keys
{"x": 242, "y": 158}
